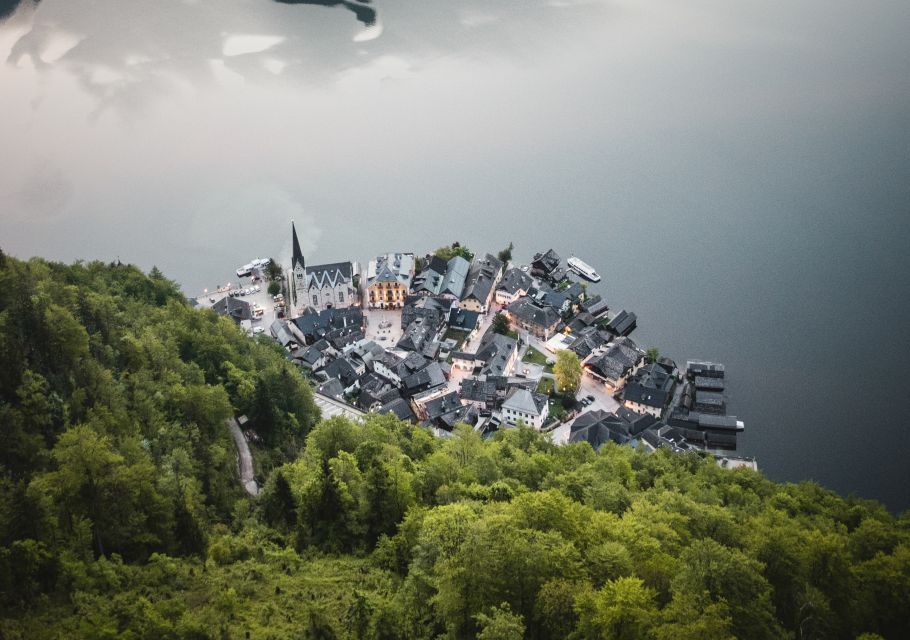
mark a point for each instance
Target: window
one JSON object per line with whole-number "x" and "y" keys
{"x": 341, "y": 296}
{"x": 315, "y": 299}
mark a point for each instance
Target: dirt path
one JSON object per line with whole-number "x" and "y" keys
{"x": 245, "y": 458}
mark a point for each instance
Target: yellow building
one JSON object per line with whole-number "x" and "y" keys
{"x": 389, "y": 280}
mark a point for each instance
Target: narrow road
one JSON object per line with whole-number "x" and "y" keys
{"x": 245, "y": 459}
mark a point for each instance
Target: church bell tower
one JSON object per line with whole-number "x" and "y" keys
{"x": 298, "y": 271}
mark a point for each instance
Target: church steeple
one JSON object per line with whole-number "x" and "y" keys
{"x": 297, "y": 255}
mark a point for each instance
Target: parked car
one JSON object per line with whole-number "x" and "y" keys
{"x": 258, "y": 330}
{"x": 591, "y": 398}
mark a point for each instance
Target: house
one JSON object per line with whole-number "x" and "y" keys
{"x": 234, "y": 308}
{"x": 623, "y": 427}
{"x": 521, "y": 404}
{"x": 614, "y": 364}
{"x": 345, "y": 371}
{"x": 515, "y": 284}
{"x": 441, "y": 278}
{"x": 430, "y": 377}
{"x": 595, "y": 305}
{"x": 622, "y": 324}
{"x": 387, "y": 367}
{"x": 376, "y": 391}
{"x": 417, "y": 335}
{"x": 479, "y": 392}
{"x": 281, "y": 333}
{"x": 429, "y": 280}
{"x": 328, "y": 324}
{"x": 401, "y": 408}
{"x": 539, "y": 320}
{"x": 464, "y": 320}
{"x": 331, "y": 388}
{"x": 330, "y": 286}
{"x": 433, "y": 309}
{"x": 587, "y": 341}
{"x": 581, "y": 321}
{"x": 649, "y": 390}
{"x": 442, "y": 409}
{"x": 495, "y": 356}
{"x": 481, "y": 283}
{"x": 310, "y": 358}
{"x": 546, "y": 265}
{"x": 389, "y": 280}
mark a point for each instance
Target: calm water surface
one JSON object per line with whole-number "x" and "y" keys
{"x": 738, "y": 170}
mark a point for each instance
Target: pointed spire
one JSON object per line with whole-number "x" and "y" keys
{"x": 297, "y": 255}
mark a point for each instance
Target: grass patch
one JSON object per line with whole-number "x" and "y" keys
{"x": 534, "y": 356}
{"x": 456, "y": 335}
{"x": 557, "y": 411}
{"x": 545, "y": 386}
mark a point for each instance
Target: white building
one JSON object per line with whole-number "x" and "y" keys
{"x": 530, "y": 408}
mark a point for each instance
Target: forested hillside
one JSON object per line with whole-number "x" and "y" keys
{"x": 121, "y": 514}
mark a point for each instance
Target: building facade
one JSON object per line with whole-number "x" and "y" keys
{"x": 389, "y": 280}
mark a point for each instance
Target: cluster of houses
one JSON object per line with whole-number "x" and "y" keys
{"x": 449, "y": 366}
{"x": 665, "y": 407}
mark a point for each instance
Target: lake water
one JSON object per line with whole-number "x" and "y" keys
{"x": 737, "y": 170}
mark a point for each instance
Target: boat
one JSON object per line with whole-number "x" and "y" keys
{"x": 583, "y": 269}
{"x": 247, "y": 269}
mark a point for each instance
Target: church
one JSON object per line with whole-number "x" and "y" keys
{"x": 323, "y": 286}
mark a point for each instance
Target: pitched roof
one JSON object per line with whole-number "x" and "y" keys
{"x": 547, "y": 262}
{"x": 463, "y": 319}
{"x": 617, "y": 360}
{"x": 622, "y": 323}
{"x": 332, "y": 388}
{"x": 296, "y": 253}
{"x": 427, "y": 378}
{"x": 515, "y": 280}
{"x": 234, "y": 308}
{"x": 520, "y": 399}
{"x": 529, "y": 312}
{"x": 400, "y": 407}
{"x": 481, "y": 277}
{"x": 495, "y": 351}
{"x": 392, "y": 267}
{"x": 640, "y": 394}
{"x": 329, "y": 275}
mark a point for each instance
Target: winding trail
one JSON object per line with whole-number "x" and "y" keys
{"x": 245, "y": 458}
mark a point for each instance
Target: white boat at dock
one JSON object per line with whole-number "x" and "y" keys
{"x": 583, "y": 269}
{"x": 247, "y": 269}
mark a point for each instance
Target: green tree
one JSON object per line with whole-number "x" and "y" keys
{"x": 567, "y": 371}
{"x": 652, "y": 354}
{"x": 456, "y": 249}
{"x": 625, "y": 609}
{"x": 273, "y": 270}
{"x": 501, "y": 324}
{"x": 500, "y": 624}
{"x": 506, "y": 254}
{"x": 274, "y": 288}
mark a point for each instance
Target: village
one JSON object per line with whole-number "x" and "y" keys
{"x": 452, "y": 338}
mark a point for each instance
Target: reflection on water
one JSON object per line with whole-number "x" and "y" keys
{"x": 739, "y": 172}
{"x": 364, "y": 13}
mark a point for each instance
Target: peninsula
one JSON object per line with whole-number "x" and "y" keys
{"x": 451, "y": 337}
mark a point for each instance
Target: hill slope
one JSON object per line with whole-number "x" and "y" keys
{"x": 121, "y": 513}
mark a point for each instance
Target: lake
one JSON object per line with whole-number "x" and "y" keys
{"x": 737, "y": 170}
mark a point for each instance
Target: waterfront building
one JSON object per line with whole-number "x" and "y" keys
{"x": 389, "y": 280}
{"x": 481, "y": 283}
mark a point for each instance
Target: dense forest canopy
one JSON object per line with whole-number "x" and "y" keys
{"x": 121, "y": 514}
